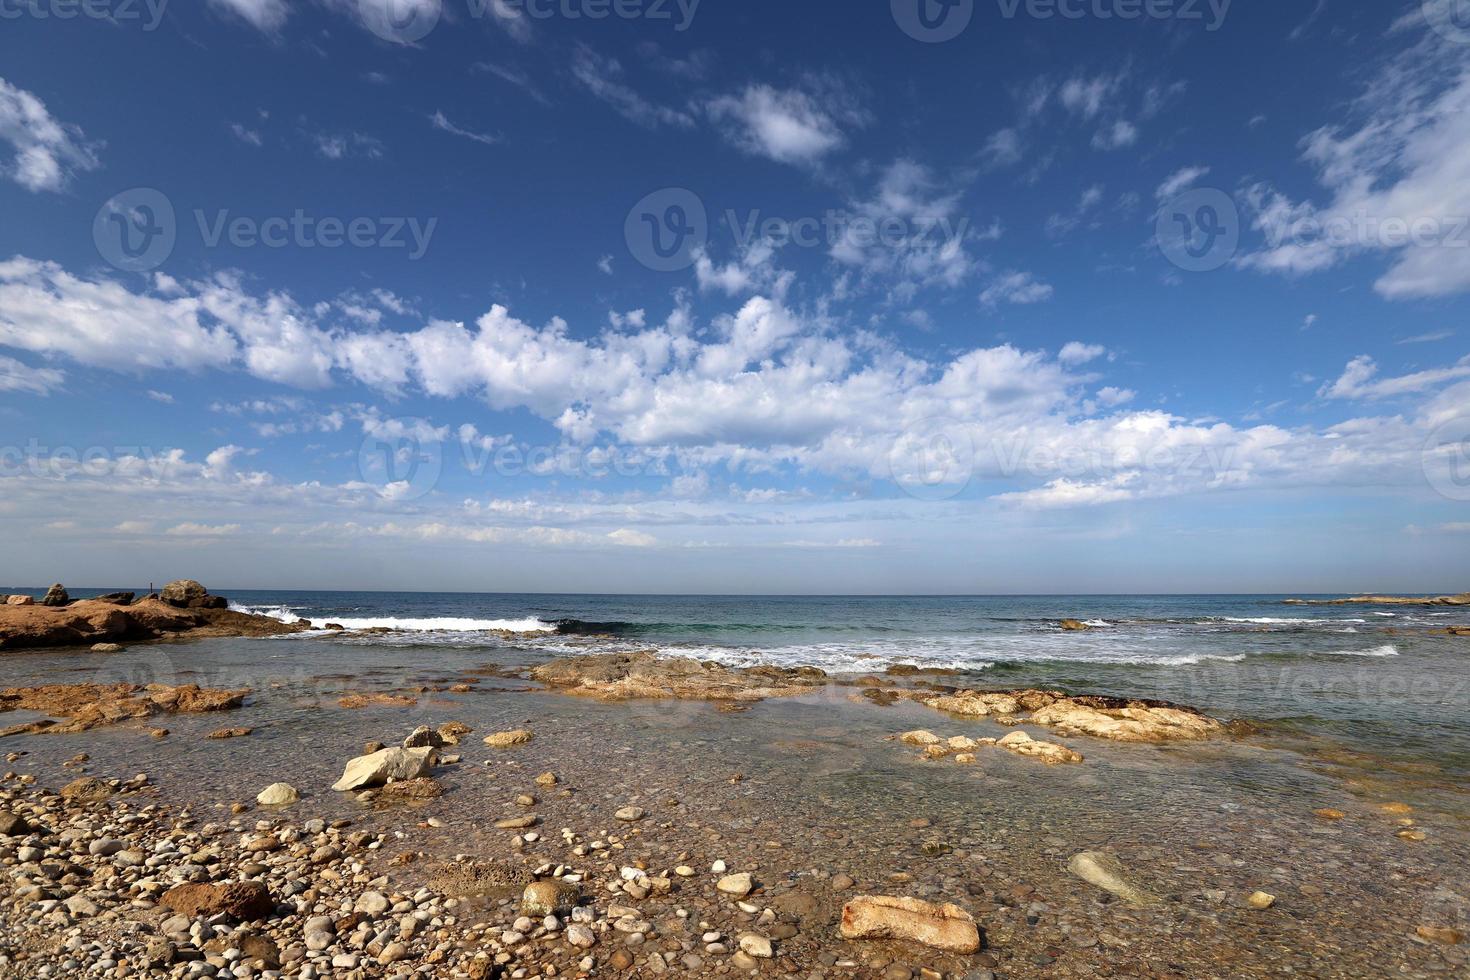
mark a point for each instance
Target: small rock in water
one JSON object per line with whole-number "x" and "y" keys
{"x": 1441, "y": 934}
{"x": 278, "y": 794}
{"x": 1106, "y": 872}
{"x": 630, "y": 813}
{"x": 504, "y": 740}
{"x": 1261, "y": 900}
{"x": 757, "y": 946}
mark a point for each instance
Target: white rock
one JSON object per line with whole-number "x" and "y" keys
{"x": 278, "y": 794}
{"x": 378, "y": 768}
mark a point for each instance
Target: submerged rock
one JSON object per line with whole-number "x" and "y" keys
{"x": 947, "y": 927}
{"x": 1049, "y": 752}
{"x": 87, "y": 706}
{"x": 1106, "y": 872}
{"x": 504, "y": 740}
{"x": 629, "y": 676}
{"x": 548, "y": 897}
{"x": 377, "y": 769}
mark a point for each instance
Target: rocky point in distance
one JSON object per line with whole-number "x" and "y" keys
{"x": 182, "y": 609}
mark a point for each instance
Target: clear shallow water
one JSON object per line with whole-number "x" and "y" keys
{"x": 1342, "y": 679}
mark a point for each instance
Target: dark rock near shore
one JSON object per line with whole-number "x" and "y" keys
{"x": 116, "y": 598}
{"x": 56, "y": 596}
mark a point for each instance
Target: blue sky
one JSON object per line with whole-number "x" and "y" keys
{"x": 1040, "y": 297}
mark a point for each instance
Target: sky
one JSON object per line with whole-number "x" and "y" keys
{"x": 920, "y": 296}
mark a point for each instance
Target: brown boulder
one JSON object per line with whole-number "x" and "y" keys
{"x": 12, "y": 825}
{"x": 244, "y": 901}
{"x": 19, "y": 600}
{"x": 181, "y": 592}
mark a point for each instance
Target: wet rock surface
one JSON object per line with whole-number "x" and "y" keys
{"x": 621, "y": 677}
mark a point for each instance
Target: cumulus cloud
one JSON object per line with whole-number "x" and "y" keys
{"x": 47, "y": 152}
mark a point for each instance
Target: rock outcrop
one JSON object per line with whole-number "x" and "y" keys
{"x": 947, "y": 927}
{"x": 90, "y": 621}
{"x": 1118, "y": 719}
{"x": 630, "y": 676}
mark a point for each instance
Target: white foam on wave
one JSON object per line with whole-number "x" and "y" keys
{"x": 1387, "y": 650}
{"x": 449, "y": 624}
{"x": 1386, "y": 615}
{"x": 1097, "y": 623}
{"x": 1282, "y": 621}
{"x": 283, "y": 613}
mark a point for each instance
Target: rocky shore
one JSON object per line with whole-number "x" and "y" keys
{"x": 183, "y": 609}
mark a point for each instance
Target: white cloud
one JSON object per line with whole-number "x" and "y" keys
{"x": 786, "y": 125}
{"x": 162, "y": 397}
{"x": 189, "y": 529}
{"x": 245, "y": 135}
{"x": 1180, "y": 181}
{"x": 47, "y": 152}
{"x": 1116, "y": 136}
{"x": 1360, "y": 380}
{"x": 604, "y": 78}
{"x": 1076, "y": 352}
{"x": 266, "y": 15}
{"x": 1021, "y": 288}
{"x": 441, "y": 122}
{"x": 15, "y": 376}
{"x": 1397, "y": 178}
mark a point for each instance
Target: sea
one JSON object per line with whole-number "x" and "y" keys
{"x": 1383, "y": 684}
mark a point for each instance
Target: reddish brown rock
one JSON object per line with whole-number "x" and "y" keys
{"x": 244, "y": 901}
